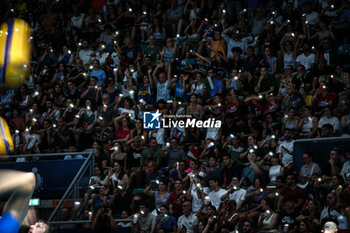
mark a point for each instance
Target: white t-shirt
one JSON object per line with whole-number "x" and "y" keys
{"x": 201, "y": 174}
{"x": 130, "y": 112}
{"x": 213, "y": 133}
{"x": 159, "y": 135}
{"x": 274, "y": 172}
{"x": 196, "y": 201}
{"x": 345, "y": 171}
{"x": 238, "y": 195}
{"x": 197, "y": 89}
{"x": 115, "y": 58}
{"x": 189, "y": 222}
{"x": 215, "y": 197}
{"x": 286, "y": 158}
{"x": 312, "y": 18}
{"x": 31, "y": 139}
{"x": 334, "y": 121}
{"x": 162, "y": 91}
{"x": 324, "y": 214}
{"x": 232, "y": 148}
{"x": 231, "y": 43}
{"x": 84, "y": 55}
{"x": 306, "y": 60}
{"x": 77, "y": 21}
{"x": 101, "y": 58}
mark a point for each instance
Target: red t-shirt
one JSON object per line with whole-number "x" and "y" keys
{"x": 233, "y": 109}
{"x": 271, "y": 108}
{"x": 297, "y": 193}
{"x": 176, "y": 201}
{"x": 98, "y": 5}
{"x": 323, "y": 101}
{"x": 122, "y": 133}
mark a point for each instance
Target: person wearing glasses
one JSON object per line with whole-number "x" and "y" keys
{"x": 188, "y": 220}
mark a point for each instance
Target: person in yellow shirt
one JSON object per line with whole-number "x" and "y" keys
{"x": 218, "y": 44}
{"x": 307, "y": 98}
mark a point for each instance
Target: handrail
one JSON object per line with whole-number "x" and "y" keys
{"x": 322, "y": 139}
{"x": 45, "y": 155}
{"x": 87, "y": 221}
{"x": 77, "y": 176}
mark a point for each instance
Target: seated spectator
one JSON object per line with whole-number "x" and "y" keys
{"x": 286, "y": 219}
{"x": 121, "y": 199}
{"x": 100, "y": 200}
{"x": 176, "y": 199}
{"x": 173, "y": 153}
{"x": 116, "y": 174}
{"x": 216, "y": 192}
{"x": 330, "y": 212}
{"x": 153, "y": 153}
{"x": 166, "y": 221}
{"x": 308, "y": 169}
{"x": 292, "y": 193}
{"x": 235, "y": 193}
{"x": 328, "y": 118}
{"x": 161, "y": 195}
{"x": 268, "y": 217}
{"x": 145, "y": 221}
{"x": 188, "y": 220}
{"x": 333, "y": 166}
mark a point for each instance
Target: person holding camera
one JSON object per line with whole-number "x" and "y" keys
{"x": 144, "y": 221}
{"x": 103, "y": 221}
{"x": 166, "y": 221}
{"x": 236, "y": 193}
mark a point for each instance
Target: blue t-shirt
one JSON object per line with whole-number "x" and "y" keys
{"x": 97, "y": 202}
{"x": 217, "y": 86}
{"x": 145, "y": 93}
{"x": 100, "y": 74}
{"x": 9, "y": 224}
{"x": 169, "y": 224}
{"x": 297, "y": 101}
{"x": 175, "y": 175}
{"x": 179, "y": 91}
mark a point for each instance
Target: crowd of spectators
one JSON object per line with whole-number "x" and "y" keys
{"x": 271, "y": 71}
